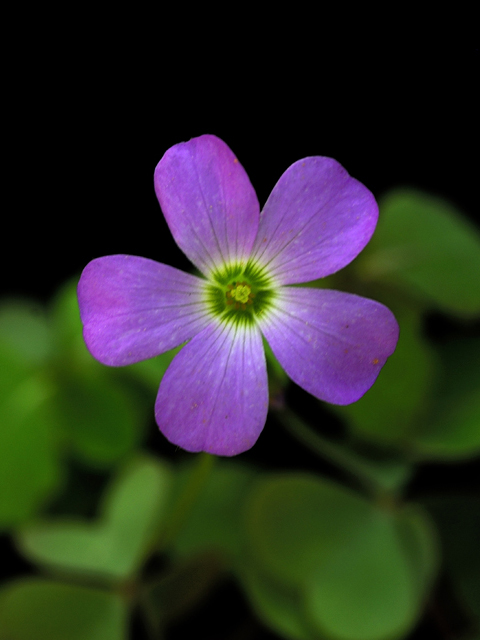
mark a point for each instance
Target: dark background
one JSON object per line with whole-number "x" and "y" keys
{"x": 90, "y": 115}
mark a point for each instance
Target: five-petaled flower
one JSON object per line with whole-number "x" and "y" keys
{"x": 214, "y": 395}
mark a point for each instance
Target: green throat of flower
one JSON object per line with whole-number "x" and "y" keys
{"x": 240, "y": 293}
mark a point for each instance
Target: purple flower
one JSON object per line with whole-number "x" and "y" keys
{"x": 214, "y": 395}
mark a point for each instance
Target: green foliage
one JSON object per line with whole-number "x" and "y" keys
{"x": 426, "y": 247}
{"x": 30, "y": 470}
{"x": 56, "y": 399}
{"x": 182, "y": 587}
{"x": 279, "y": 605}
{"x": 29, "y": 465}
{"x": 214, "y": 521}
{"x": 99, "y": 415}
{"x": 340, "y": 553}
{"x": 25, "y": 331}
{"x": 453, "y": 427}
{"x": 115, "y": 545}
{"x": 36, "y": 609}
{"x": 458, "y": 520}
{"x": 316, "y": 560}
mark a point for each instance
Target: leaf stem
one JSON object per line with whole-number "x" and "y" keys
{"x": 196, "y": 480}
{"x": 381, "y": 480}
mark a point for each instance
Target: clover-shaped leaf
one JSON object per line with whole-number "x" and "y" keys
{"x": 362, "y": 571}
{"x": 36, "y": 609}
{"x": 115, "y": 545}
{"x": 30, "y": 469}
{"x": 453, "y": 427}
{"x": 428, "y": 248}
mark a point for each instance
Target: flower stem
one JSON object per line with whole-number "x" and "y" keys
{"x": 196, "y": 480}
{"x": 381, "y": 480}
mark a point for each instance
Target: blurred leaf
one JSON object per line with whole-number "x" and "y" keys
{"x": 419, "y": 539}
{"x": 458, "y": 520}
{"x": 278, "y": 605}
{"x": 115, "y": 546}
{"x": 427, "y": 247}
{"x": 13, "y": 372}
{"x": 102, "y": 416}
{"x": 150, "y": 372}
{"x": 67, "y": 327}
{"x": 35, "y": 609}
{"x": 350, "y": 559}
{"x": 29, "y": 465}
{"x": 183, "y": 586}
{"x": 25, "y": 331}
{"x": 453, "y": 429}
{"x": 378, "y": 475}
{"x": 215, "y": 520}
{"x": 99, "y": 416}
{"x": 388, "y": 412}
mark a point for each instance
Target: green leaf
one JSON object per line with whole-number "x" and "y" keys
{"x": 101, "y": 414}
{"x": 36, "y": 609}
{"x": 67, "y": 328}
{"x": 215, "y": 521}
{"x": 453, "y": 427}
{"x": 100, "y": 417}
{"x": 183, "y": 586}
{"x": 150, "y": 372}
{"x": 424, "y": 245}
{"x": 458, "y": 521}
{"x": 25, "y": 330}
{"x": 30, "y": 469}
{"x": 279, "y": 606}
{"x": 420, "y": 542}
{"x": 114, "y": 547}
{"x": 397, "y": 402}
{"x": 294, "y": 507}
{"x": 13, "y": 372}
{"x": 357, "y": 565}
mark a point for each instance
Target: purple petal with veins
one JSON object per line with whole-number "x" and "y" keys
{"x": 208, "y": 202}
{"x": 133, "y": 308}
{"x": 316, "y": 221}
{"x": 333, "y": 344}
{"x": 214, "y": 395}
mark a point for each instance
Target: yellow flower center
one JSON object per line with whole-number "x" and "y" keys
{"x": 239, "y": 294}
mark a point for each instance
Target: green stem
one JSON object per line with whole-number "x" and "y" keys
{"x": 369, "y": 477}
{"x": 198, "y": 476}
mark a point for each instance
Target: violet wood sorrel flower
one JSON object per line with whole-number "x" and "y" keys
{"x": 214, "y": 395}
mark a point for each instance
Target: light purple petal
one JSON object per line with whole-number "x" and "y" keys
{"x": 316, "y": 220}
{"x": 133, "y": 308}
{"x": 208, "y": 202}
{"x": 214, "y": 395}
{"x": 333, "y": 344}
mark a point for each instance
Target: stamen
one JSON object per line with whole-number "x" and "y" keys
{"x": 240, "y": 292}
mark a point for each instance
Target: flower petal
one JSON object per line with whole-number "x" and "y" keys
{"x": 208, "y": 202}
{"x": 316, "y": 220}
{"x": 333, "y": 344}
{"x": 133, "y": 308}
{"x": 214, "y": 395}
